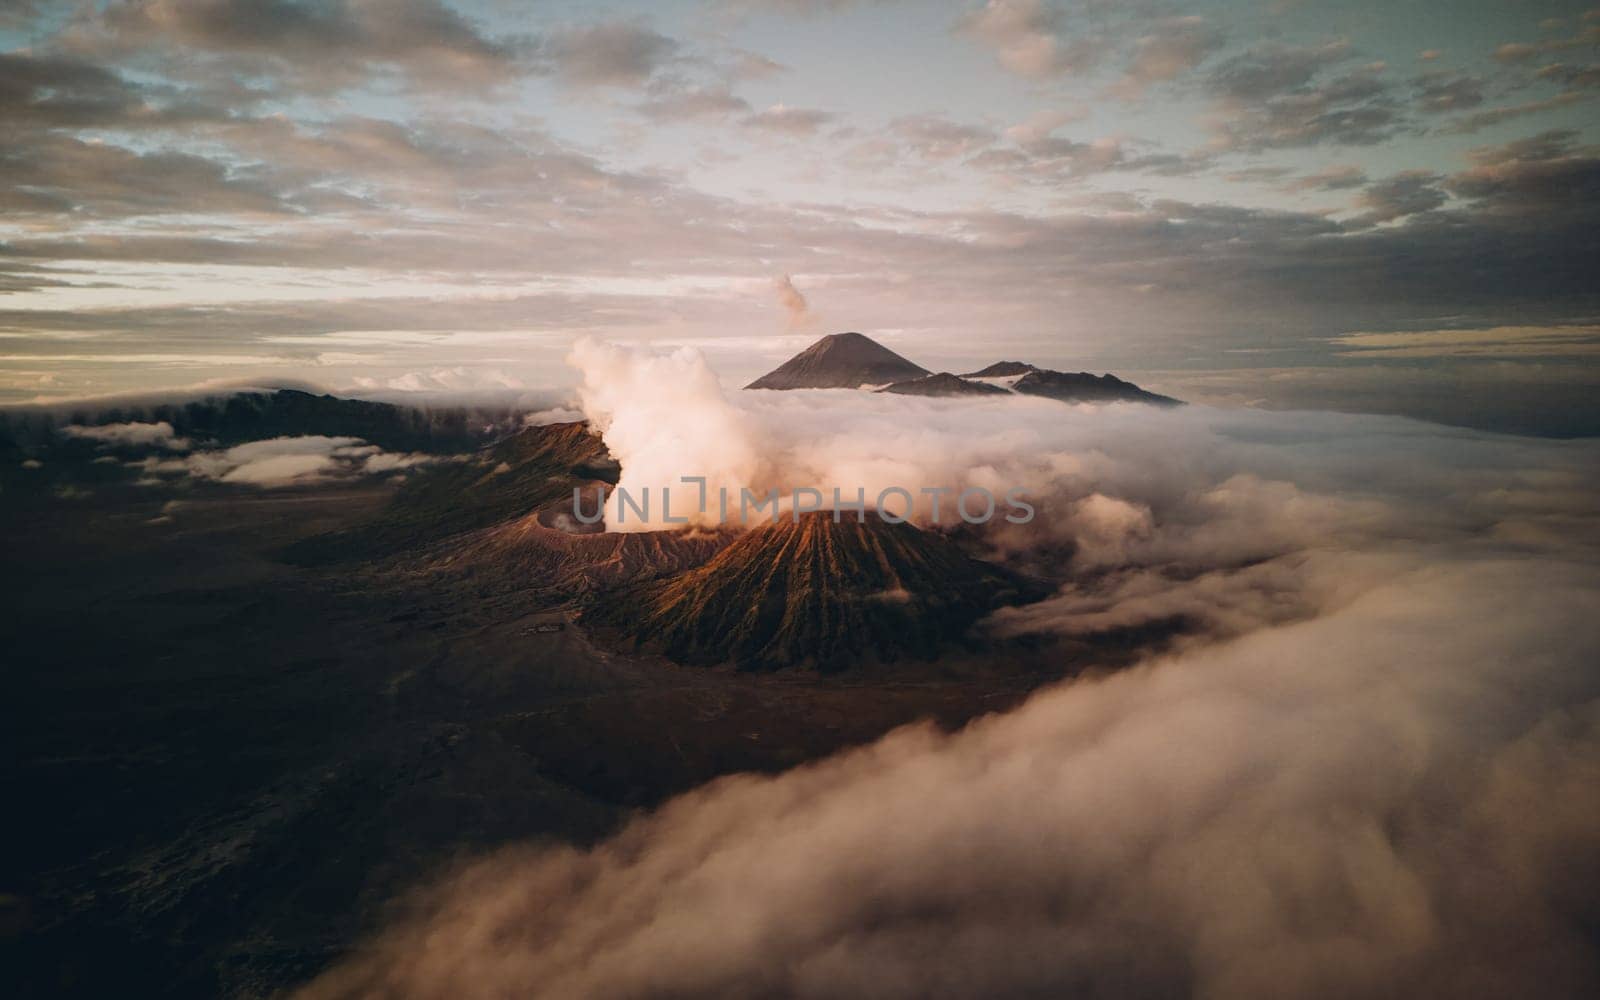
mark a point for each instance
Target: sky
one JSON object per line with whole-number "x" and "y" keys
{"x": 1385, "y": 206}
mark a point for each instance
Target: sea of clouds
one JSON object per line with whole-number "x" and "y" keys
{"x": 1374, "y": 771}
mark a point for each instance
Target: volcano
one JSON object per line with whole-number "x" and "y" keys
{"x": 840, "y": 361}
{"x": 816, "y": 593}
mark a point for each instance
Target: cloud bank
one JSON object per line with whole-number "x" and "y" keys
{"x": 133, "y": 434}
{"x": 1397, "y": 798}
{"x": 283, "y": 461}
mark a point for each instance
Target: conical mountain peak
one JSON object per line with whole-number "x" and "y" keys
{"x": 817, "y": 592}
{"x": 840, "y": 361}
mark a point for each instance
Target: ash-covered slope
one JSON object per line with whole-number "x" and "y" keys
{"x": 535, "y": 467}
{"x": 942, "y": 384}
{"x": 840, "y": 361}
{"x": 530, "y": 470}
{"x": 530, "y": 555}
{"x": 816, "y": 593}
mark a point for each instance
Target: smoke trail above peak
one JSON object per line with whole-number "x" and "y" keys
{"x": 794, "y": 303}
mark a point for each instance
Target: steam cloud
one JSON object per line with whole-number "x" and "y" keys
{"x": 1374, "y": 774}
{"x": 793, "y": 302}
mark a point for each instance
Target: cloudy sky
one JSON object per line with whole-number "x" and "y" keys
{"x": 1370, "y": 204}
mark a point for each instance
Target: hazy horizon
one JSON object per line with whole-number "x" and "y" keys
{"x": 1357, "y": 206}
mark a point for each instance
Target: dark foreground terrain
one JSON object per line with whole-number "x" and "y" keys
{"x": 240, "y": 724}
{"x": 222, "y": 766}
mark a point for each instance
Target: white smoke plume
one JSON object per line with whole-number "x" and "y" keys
{"x": 663, "y": 417}
{"x": 1377, "y": 775}
{"x": 794, "y": 303}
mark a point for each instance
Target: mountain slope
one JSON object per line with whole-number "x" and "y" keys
{"x": 534, "y": 468}
{"x": 816, "y": 593}
{"x": 526, "y": 554}
{"x": 942, "y": 384}
{"x": 840, "y": 361}
{"x": 1081, "y": 387}
{"x": 1001, "y": 369}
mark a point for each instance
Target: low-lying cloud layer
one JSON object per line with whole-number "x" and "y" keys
{"x": 1376, "y": 776}
{"x": 281, "y": 461}
{"x": 132, "y": 434}
{"x": 1397, "y": 799}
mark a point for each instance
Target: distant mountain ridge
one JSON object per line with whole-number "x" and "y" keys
{"x": 1081, "y": 387}
{"x": 942, "y": 384}
{"x": 854, "y": 361}
{"x": 232, "y": 418}
{"x": 1002, "y": 369}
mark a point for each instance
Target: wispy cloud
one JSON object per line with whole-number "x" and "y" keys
{"x": 1500, "y": 341}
